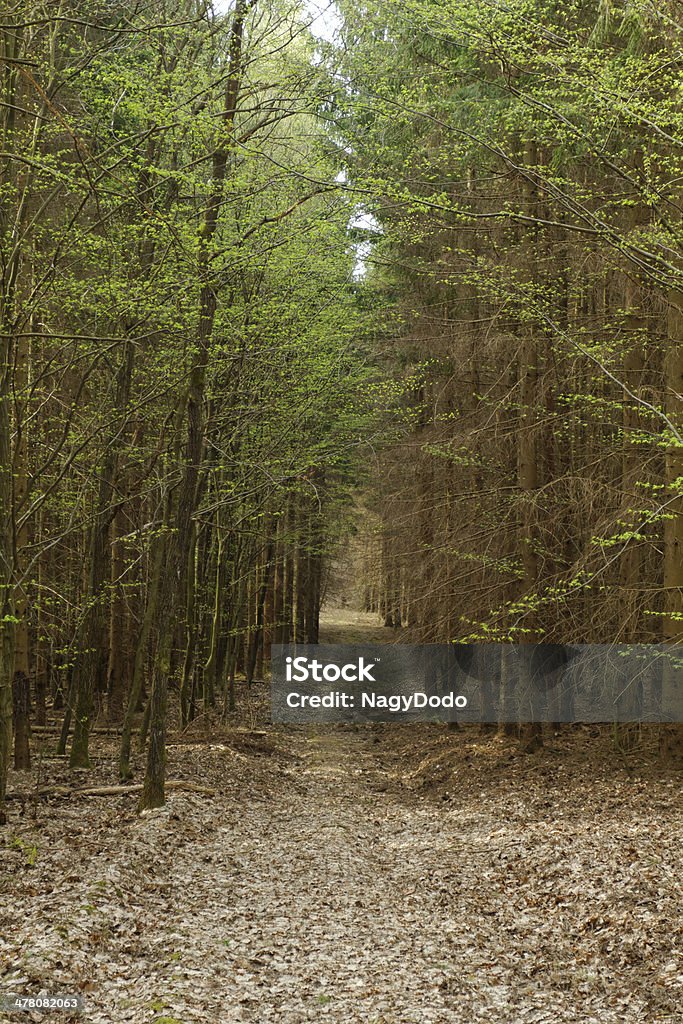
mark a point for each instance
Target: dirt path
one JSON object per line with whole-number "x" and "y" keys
{"x": 315, "y": 887}
{"x": 321, "y": 883}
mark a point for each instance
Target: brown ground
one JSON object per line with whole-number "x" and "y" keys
{"x": 384, "y": 875}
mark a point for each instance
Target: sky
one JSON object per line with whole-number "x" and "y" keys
{"x": 325, "y": 20}
{"x": 324, "y": 15}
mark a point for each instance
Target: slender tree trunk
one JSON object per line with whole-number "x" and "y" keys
{"x": 117, "y": 684}
{"x": 21, "y": 685}
{"x": 257, "y": 637}
{"x": 7, "y": 618}
{"x": 301, "y": 586}
{"x": 279, "y": 587}
{"x": 91, "y": 667}
{"x": 528, "y": 462}
{"x": 314, "y": 577}
{"x": 188, "y": 669}
{"x": 212, "y": 667}
{"x": 672, "y": 737}
{"x": 141, "y": 653}
{"x": 288, "y": 580}
{"x": 172, "y": 592}
{"x": 11, "y": 47}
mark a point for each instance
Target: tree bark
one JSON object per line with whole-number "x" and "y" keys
{"x": 173, "y": 585}
{"x": 671, "y": 745}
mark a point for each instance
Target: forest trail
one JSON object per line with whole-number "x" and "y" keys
{"x": 322, "y": 884}
{"x": 344, "y": 625}
{"x": 356, "y": 875}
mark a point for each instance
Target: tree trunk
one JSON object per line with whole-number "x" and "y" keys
{"x": 173, "y": 585}
{"x": 141, "y": 652}
{"x": 257, "y": 637}
{"x": 117, "y": 684}
{"x": 7, "y": 620}
{"x": 91, "y": 666}
{"x": 528, "y": 465}
{"x": 671, "y": 745}
{"x": 21, "y": 686}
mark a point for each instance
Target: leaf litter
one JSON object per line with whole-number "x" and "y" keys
{"x": 384, "y": 875}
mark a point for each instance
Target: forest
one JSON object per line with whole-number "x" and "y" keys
{"x": 335, "y": 323}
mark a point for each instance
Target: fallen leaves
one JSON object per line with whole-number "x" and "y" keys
{"x": 317, "y": 885}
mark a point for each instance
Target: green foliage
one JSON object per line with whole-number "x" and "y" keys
{"x": 29, "y": 850}
{"x": 521, "y": 161}
{"x": 289, "y": 388}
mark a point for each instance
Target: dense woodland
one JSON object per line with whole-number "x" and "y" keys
{"x": 532, "y": 246}
{"x": 417, "y": 290}
{"x": 183, "y": 361}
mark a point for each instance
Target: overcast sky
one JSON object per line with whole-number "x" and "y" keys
{"x": 323, "y": 12}
{"x": 326, "y": 18}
